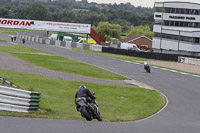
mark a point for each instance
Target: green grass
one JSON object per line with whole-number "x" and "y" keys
{"x": 3, "y": 41}
{"x": 116, "y": 103}
{"x": 10, "y": 33}
{"x": 16, "y": 30}
{"x": 8, "y": 29}
{"x": 58, "y": 63}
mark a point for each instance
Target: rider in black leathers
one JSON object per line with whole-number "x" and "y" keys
{"x": 84, "y": 92}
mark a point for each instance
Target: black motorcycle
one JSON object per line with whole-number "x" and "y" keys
{"x": 147, "y": 68}
{"x": 88, "y": 110}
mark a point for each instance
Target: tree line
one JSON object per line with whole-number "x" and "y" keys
{"x": 126, "y": 15}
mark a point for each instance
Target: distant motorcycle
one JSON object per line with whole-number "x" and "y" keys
{"x": 147, "y": 67}
{"x": 88, "y": 110}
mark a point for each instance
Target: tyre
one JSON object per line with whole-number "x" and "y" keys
{"x": 85, "y": 114}
{"x": 148, "y": 70}
{"x": 99, "y": 118}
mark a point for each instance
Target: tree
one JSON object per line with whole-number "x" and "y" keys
{"x": 124, "y": 24}
{"x": 108, "y": 30}
{"x": 19, "y": 12}
{"x": 5, "y": 13}
{"x": 140, "y": 30}
{"x": 37, "y": 12}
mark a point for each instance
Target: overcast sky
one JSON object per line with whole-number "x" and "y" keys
{"x": 143, "y": 3}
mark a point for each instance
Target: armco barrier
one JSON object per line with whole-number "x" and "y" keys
{"x": 74, "y": 45}
{"x": 61, "y": 43}
{"x": 79, "y": 45}
{"x": 52, "y": 42}
{"x": 17, "y": 100}
{"x": 96, "y": 48}
{"x": 86, "y": 46}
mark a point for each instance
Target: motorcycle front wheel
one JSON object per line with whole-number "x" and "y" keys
{"x": 98, "y": 116}
{"x": 85, "y": 114}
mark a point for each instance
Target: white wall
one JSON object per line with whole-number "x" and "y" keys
{"x": 195, "y": 48}
{"x": 169, "y": 44}
{"x": 185, "y": 46}
{"x": 156, "y": 43}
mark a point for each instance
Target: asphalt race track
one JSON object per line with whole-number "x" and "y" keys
{"x": 182, "y": 114}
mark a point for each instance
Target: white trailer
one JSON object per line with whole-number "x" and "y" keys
{"x": 129, "y": 46}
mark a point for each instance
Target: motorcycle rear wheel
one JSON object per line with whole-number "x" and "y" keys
{"x": 85, "y": 114}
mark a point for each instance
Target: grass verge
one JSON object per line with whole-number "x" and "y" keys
{"x": 16, "y": 30}
{"x": 10, "y": 33}
{"x": 3, "y": 41}
{"x": 116, "y": 103}
{"x": 58, "y": 63}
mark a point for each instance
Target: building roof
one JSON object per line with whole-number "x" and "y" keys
{"x": 178, "y": 2}
{"x": 134, "y": 37}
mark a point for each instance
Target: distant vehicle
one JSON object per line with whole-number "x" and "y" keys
{"x": 67, "y": 39}
{"x": 129, "y": 46}
{"x": 87, "y": 41}
{"x": 53, "y": 37}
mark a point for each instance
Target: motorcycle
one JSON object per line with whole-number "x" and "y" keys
{"x": 147, "y": 68}
{"x": 88, "y": 110}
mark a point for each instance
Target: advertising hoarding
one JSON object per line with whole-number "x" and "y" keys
{"x": 45, "y": 25}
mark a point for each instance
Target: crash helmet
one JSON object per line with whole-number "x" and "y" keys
{"x": 82, "y": 86}
{"x": 145, "y": 63}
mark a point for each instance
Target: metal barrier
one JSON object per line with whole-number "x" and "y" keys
{"x": 17, "y": 100}
{"x": 61, "y": 43}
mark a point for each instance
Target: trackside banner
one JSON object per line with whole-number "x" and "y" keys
{"x": 45, "y": 25}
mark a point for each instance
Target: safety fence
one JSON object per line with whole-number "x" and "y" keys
{"x": 61, "y": 43}
{"x": 149, "y": 55}
{"x": 17, "y": 100}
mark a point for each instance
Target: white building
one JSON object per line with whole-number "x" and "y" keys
{"x": 177, "y": 28}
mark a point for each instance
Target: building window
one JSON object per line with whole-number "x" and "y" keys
{"x": 158, "y": 16}
{"x": 167, "y": 10}
{"x": 169, "y": 36}
{"x": 186, "y": 39}
{"x": 171, "y": 23}
{"x": 177, "y": 23}
{"x": 196, "y": 40}
{"x": 182, "y": 11}
{"x": 159, "y": 9}
{"x": 157, "y": 34}
{"x": 181, "y": 24}
{"x": 176, "y": 37}
{"x": 166, "y": 23}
